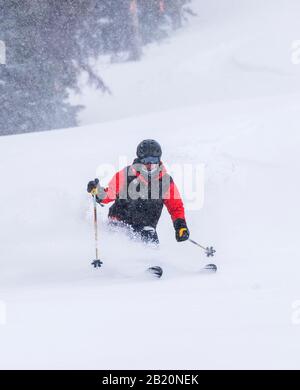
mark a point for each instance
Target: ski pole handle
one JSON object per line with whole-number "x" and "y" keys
{"x": 94, "y": 194}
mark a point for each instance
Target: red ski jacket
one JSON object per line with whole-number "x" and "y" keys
{"x": 139, "y": 199}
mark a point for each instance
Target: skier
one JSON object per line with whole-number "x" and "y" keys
{"x": 139, "y": 192}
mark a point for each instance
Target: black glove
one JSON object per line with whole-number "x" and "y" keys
{"x": 92, "y": 185}
{"x": 96, "y": 190}
{"x": 181, "y": 230}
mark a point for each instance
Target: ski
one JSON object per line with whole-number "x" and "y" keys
{"x": 155, "y": 271}
{"x": 209, "y": 268}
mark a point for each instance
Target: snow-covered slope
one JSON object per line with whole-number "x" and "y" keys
{"x": 233, "y": 49}
{"x": 211, "y": 95}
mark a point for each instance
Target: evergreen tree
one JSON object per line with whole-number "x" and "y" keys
{"x": 50, "y": 42}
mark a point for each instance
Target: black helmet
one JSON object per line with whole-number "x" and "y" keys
{"x": 149, "y": 148}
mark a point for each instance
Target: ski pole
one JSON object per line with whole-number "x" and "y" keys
{"x": 209, "y": 251}
{"x": 97, "y": 262}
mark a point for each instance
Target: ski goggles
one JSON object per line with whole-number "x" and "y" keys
{"x": 150, "y": 160}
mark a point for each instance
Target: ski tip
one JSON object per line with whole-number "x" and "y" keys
{"x": 155, "y": 271}
{"x": 210, "y": 268}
